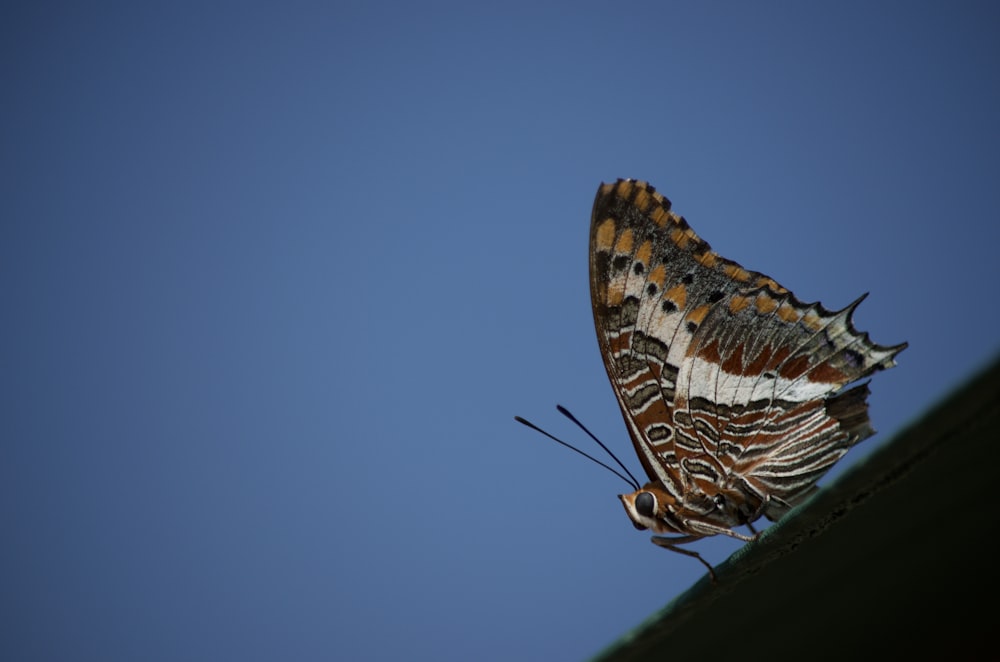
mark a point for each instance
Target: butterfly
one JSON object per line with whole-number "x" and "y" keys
{"x": 737, "y": 395}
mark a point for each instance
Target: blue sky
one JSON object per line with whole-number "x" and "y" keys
{"x": 276, "y": 278}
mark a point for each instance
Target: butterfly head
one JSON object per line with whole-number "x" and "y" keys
{"x": 648, "y": 507}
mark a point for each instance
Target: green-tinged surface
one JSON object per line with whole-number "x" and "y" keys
{"x": 897, "y": 557}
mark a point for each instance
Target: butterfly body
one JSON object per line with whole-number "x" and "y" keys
{"x": 731, "y": 388}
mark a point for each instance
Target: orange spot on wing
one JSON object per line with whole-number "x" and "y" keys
{"x": 616, "y": 294}
{"x": 679, "y": 237}
{"x": 624, "y": 243}
{"x": 659, "y": 216}
{"x": 765, "y": 304}
{"x": 698, "y": 314}
{"x": 658, "y": 275}
{"x": 604, "y": 238}
{"x": 707, "y": 259}
{"x": 645, "y": 253}
{"x": 765, "y": 281}
{"x": 736, "y": 272}
{"x": 812, "y": 321}
{"x": 738, "y": 303}
{"x": 677, "y": 294}
{"x": 641, "y": 199}
{"x": 788, "y": 313}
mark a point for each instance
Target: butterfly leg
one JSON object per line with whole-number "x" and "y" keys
{"x": 706, "y": 529}
{"x": 759, "y": 512}
{"x": 671, "y": 544}
{"x": 756, "y": 514}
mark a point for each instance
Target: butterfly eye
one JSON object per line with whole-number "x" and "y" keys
{"x": 720, "y": 501}
{"x": 645, "y": 503}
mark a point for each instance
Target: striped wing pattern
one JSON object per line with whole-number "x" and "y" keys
{"x": 731, "y": 388}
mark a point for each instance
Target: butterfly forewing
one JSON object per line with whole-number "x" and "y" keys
{"x": 622, "y": 241}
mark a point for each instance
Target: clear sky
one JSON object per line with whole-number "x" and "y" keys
{"x": 276, "y": 278}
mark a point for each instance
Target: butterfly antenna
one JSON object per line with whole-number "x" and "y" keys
{"x": 634, "y": 483}
{"x": 565, "y": 412}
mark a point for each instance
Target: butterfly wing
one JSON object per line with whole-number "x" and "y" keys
{"x": 636, "y": 268}
{"x": 761, "y": 392}
{"x": 724, "y": 378}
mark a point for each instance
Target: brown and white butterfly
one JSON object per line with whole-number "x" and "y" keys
{"x": 731, "y": 388}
